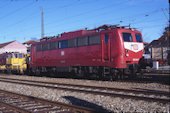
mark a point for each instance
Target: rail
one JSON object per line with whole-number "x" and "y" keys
{"x": 29, "y": 104}
{"x": 99, "y": 91}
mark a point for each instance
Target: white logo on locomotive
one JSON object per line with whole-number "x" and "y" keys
{"x": 133, "y": 46}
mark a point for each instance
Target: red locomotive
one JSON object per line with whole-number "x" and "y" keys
{"x": 106, "y": 51}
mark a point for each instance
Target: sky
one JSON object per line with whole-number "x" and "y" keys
{"x": 21, "y": 19}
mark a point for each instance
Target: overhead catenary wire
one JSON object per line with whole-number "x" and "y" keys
{"x": 83, "y": 13}
{"x": 68, "y": 28}
{"x": 14, "y": 11}
{"x": 34, "y": 14}
{"x": 106, "y": 6}
{"x": 89, "y": 11}
{"x": 108, "y": 19}
{"x": 139, "y": 14}
{"x": 58, "y": 21}
{"x": 105, "y": 13}
{"x": 165, "y": 14}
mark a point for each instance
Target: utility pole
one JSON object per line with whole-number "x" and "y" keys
{"x": 42, "y": 24}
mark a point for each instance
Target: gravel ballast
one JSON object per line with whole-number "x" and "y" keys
{"x": 105, "y": 103}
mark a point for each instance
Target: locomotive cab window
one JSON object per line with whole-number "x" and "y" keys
{"x": 95, "y": 39}
{"x": 127, "y": 37}
{"x": 138, "y": 38}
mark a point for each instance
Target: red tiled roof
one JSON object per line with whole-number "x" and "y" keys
{"x": 4, "y": 44}
{"x": 145, "y": 42}
{"x": 29, "y": 42}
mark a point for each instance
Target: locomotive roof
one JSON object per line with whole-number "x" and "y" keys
{"x": 84, "y": 32}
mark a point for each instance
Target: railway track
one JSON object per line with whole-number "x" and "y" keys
{"x": 17, "y": 103}
{"x": 147, "y": 95}
{"x": 155, "y": 71}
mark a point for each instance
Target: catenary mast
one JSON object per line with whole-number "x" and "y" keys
{"x": 42, "y": 24}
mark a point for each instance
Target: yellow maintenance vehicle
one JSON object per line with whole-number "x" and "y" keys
{"x": 2, "y": 67}
{"x": 16, "y": 63}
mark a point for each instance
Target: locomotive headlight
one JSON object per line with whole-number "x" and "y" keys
{"x": 127, "y": 54}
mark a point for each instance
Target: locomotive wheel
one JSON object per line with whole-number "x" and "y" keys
{"x": 37, "y": 72}
{"x": 100, "y": 73}
{"x": 116, "y": 74}
{"x": 51, "y": 74}
{"x": 86, "y": 73}
{"x": 30, "y": 73}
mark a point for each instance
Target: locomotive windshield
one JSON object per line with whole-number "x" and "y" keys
{"x": 138, "y": 38}
{"x": 127, "y": 37}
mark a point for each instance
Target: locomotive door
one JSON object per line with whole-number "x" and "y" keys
{"x": 33, "y": 53}
{"x": 106, "y": 49}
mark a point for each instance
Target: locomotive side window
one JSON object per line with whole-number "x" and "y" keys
{"x": 138, "y": 38}
{"x": 63, "y": 44}
{"x": 83, "y": 41}
{"x": 45, "y": 46}
{"x": 20, "y": 56}
{"x": 9, "y": 55}
{"x": 54, "y": 45}
{"x": 72, "y": 43}
{"x": 127, "y": 37}
{"x": 49, "y": 45}
{"x": 39, "y": 47}
{"x": 106, "y": 39}
{"x": 95, "y": 39}
{"x": 15, "y": 55}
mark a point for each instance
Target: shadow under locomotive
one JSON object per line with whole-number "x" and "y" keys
{"x": 84, "y": 103}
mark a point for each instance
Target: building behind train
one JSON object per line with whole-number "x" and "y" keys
{"x": 159, "y": 50}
